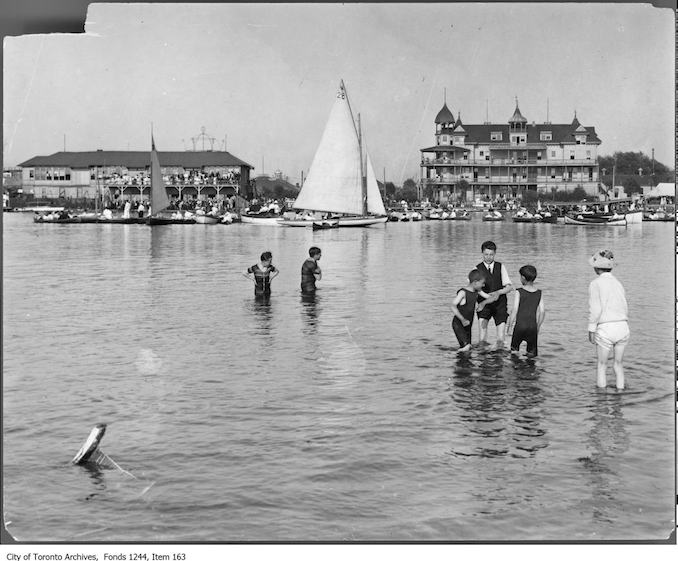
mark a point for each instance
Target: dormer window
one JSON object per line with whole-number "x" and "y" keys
{"x": 545, "y": 135}
{"x": 496, "y": 135}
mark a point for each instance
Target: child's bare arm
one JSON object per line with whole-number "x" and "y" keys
{"x": 514, "y": 311}
{"x": 541, "y": 313}
{"x": 458, "y": 300}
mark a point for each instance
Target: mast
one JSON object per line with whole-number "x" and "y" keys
{"x": 363, "y": 177}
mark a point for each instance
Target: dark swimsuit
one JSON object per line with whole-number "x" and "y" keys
{"x": 262, "y": 279}
{"x": 466, "y": 310}
{"x": 526, "y": 321}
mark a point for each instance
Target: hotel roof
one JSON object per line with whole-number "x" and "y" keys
{"x": 565, "y": 134}
{"x": 135, "y": 160}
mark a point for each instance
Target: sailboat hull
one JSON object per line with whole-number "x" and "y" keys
{"x": 356, "y": 221}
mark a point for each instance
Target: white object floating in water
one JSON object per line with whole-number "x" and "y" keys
{"x": 90, "y": 453}
{"x": 91, "y": 444}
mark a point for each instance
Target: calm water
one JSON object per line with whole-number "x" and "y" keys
{"x": 347, "y": 418}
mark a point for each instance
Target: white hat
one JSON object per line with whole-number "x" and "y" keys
{"x": 602, "y": 259}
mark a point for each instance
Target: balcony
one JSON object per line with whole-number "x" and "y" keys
{"x": 505, "y": 162}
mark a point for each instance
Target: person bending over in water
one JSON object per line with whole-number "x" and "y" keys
{"x": 465, "y": 304}
{"x": 608, "y": 317}
{"x": 262, "y": 274}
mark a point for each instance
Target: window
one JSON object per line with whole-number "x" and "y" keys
{"x": 553, "y": 153}
{"x": 571, "y": 154}
{"x": 545, "y": 135}
{"x": 588, "y": 154}
{"x": 487, "y": 173}
{"x": 553, "y": 173}
{"x": 465, "y": 155}
{"x": 31, "y": 174}
{"x": 496, "y": 135}
{"x": 481, "y": 152}
{"x": 487, "y": 157}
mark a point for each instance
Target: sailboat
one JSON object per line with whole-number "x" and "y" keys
{"x": 341, "y": 188}
{"x": 159, "y": 199}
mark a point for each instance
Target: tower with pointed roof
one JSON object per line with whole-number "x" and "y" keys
{"x": 444, "y": 122}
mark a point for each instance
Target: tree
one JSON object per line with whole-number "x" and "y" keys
{"x": 408, "y": 192}
{"x": 390, "y": 189}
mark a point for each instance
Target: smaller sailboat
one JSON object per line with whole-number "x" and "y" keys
{"x": 341, "y": 187}
{"x": 161, "y": 214}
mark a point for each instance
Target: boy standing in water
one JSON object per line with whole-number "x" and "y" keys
{"x": 262, "y": 275}
{"x": 310, "y": 271}
{"x": 497, "y": 283}
{"x": 465, "y": 304}
{"x": 608, "y": 317}
{"x": 528, "y": 312}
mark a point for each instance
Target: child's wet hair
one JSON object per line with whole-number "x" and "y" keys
{"x": 529, "y": 272}
{"x": 475, "y": 275}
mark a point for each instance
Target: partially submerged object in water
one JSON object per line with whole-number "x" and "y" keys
{"x": 91, "y": 455}
{"x": 91, "y": 445}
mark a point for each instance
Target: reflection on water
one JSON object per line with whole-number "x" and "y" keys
{"x": 500, "y": 395}
{"x": 607, "y": 440}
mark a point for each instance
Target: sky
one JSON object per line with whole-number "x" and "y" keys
{"x": 261, "y": 78}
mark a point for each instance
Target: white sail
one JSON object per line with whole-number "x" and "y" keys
{"x": 334, "y": 182}
{"x": 159, "y": 198}
{"x": 375, "y": 205}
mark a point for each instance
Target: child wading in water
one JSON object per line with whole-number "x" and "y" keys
{"x": 528, "y": 312}
{"x": 464, "y": 306}
{"x": 608, "y": 317}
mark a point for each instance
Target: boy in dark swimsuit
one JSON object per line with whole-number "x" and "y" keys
{"x": 262, "y": 275}
{"x": 310, "y": 271}
{"x": 528, "y": 312}
{"x": 465, "y": 304}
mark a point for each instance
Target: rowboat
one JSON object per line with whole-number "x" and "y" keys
{"x": 206, "y": 219}
{"x": 268, "y": 218}
{"x": 493, "y": 216}
{"x": 595, "y": 220}
{"x": 55, "y": 219}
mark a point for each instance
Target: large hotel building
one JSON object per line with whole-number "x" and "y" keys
{"x": 497, "y": 160}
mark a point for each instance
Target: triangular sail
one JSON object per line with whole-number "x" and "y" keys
{"x": 334, "y": 182}
{"x": 375, "y": 205}
{"x": 159, "y": 198}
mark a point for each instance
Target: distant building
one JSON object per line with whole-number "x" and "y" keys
{"x": 127, "y": 174}
{"x": 505, "y": 159}
{"x": 660, "y": 190}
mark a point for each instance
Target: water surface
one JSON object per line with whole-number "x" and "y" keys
{"x": 347, "y": 417}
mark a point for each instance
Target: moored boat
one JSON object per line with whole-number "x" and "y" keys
{"x": 62, "y": 217}
{"x": 325, "y": 224}
{"x": 493, "y": 216}
{"x": 459, "y": 215}
{"x": 206, "y": 219}
{"x": 595, "y": 219}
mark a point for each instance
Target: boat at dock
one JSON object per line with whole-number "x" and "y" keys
{"x": 62, "y": 217}
{"x": 493, "y": 216}
{"x": 341, "y": 182}
{"x": 595, "y": 220}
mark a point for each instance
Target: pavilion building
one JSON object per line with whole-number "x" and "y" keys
{"x": 503, "y": 160}
{"x": 113, "y": 174}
